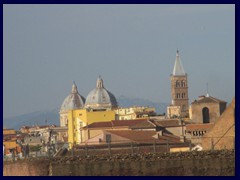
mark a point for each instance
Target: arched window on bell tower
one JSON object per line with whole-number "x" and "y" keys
{"x": 205, "y": 115}
{"x": 177, "y": 84}
{"x": 183, "y": 83}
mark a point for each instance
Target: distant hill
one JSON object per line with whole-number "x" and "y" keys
{"x": 34, "y": 118}
{"x": 128, "y": 102}
{"x": 52, "y": 116}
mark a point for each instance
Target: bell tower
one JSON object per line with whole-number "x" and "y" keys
{"x": 179, "y": 88}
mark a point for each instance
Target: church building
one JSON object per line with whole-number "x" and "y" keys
{"x": 75, "y": 112}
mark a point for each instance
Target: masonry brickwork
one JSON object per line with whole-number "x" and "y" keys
{"x": 195, "y": 163}
{"x": 179, "y": 87}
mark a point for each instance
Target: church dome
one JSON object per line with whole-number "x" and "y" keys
{"x": 73, "y": 100}
{"x": 100, "y": 98}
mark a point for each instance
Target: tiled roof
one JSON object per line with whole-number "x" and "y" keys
{"x": 170, "y": 137}
{"x": 199, "y": 126}
{"x": 205, "y": 99}
{"x": 167, "y": 123}
{"x": 114, "y": 123}
{"x": 143, "y": 125}
{"x": 127, "y": 122}
{"x": 137, "y": 136}
{"x": 99, "y": 124}
{"x": 144, "y": 136}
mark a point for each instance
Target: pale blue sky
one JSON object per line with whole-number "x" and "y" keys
{"x": 133, "y": 48}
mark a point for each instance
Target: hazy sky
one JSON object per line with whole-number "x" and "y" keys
{"x": 133, "y": 48}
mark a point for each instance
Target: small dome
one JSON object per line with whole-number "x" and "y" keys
{"x": 73, "y": 100}
{"x": 100, "y": 98}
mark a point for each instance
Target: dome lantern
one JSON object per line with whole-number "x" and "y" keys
{"x": 73, "y": 100}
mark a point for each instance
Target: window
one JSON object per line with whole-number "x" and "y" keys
{"x": 178, "y": 96}
{"x": 183, "y": 95}
{"x": 177, "y": 84}
{"x": 183, "y": 83}
{"x": 205, "y": 115}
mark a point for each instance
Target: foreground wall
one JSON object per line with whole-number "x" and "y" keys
{"x": 188, "y": 167}
{"x": 26, "y": 168}
{"x": 206, "y": 163}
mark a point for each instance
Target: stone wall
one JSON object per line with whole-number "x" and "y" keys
{"x": 30, "y": 167}
{"x": 205, "y": 163}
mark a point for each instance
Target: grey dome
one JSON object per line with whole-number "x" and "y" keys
{"x": 100, "y": 98}
{"x": 73, "y": 100}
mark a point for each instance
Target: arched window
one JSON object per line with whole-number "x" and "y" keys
{"x": 183, "y": 95}
{"x": 177, "y": 84}
{"x": 183, "y": 83}
{"x": 178, "y": 96}
{"x": 205, "y": 114}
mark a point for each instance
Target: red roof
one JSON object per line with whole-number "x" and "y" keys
{"x": 167, "y": 123}
{"x": 114, "y": 123}
{"x": 207, "y": 99}
{"x": 145, "y": 136}
{"x": 137, "y": 136}
{"x": 99, "y": 125}
{"x": 199, "y": 126}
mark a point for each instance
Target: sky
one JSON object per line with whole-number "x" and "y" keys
{"x": 132, "y": 47}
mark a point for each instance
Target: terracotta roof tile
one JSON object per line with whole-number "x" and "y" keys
{"x": 99, "y": 124}
{"x": 145, "y": 136}
{"x": 167, "y": 123}
{"x": 127, "y": 122}
{"x": 114, "y": 123}
{"x": 137, "y": 136}
{"x": 143, "y": 125}
{"x": 199, "y": 126}
{"x": 210, "y": 99}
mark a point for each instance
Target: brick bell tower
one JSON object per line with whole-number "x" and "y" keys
{"x": 179, "y": 87}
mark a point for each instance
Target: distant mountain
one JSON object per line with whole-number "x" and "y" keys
{"x": 128, "y": 102}
{"x": 52, "y": 116}
{"x": 34, "y": 118}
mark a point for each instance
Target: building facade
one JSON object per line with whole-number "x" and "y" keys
{"x": 77, "y": 119}
{"x": 207, "y": 109}
{"x": 222, "y": 134}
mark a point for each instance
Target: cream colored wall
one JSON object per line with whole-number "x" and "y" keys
{"x": 63, "y": 118}
{"x": 130, "y": 113}
{"x": 173, "y": 111}
{"x": 214, "y": 112}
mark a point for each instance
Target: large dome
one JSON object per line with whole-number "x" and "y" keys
{"x": 73, "y": 100}
{"x": 100, "y": 98}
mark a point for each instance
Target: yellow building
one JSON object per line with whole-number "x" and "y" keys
{"x": 82, "y": 117}
{"x": 9, "y": 140}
